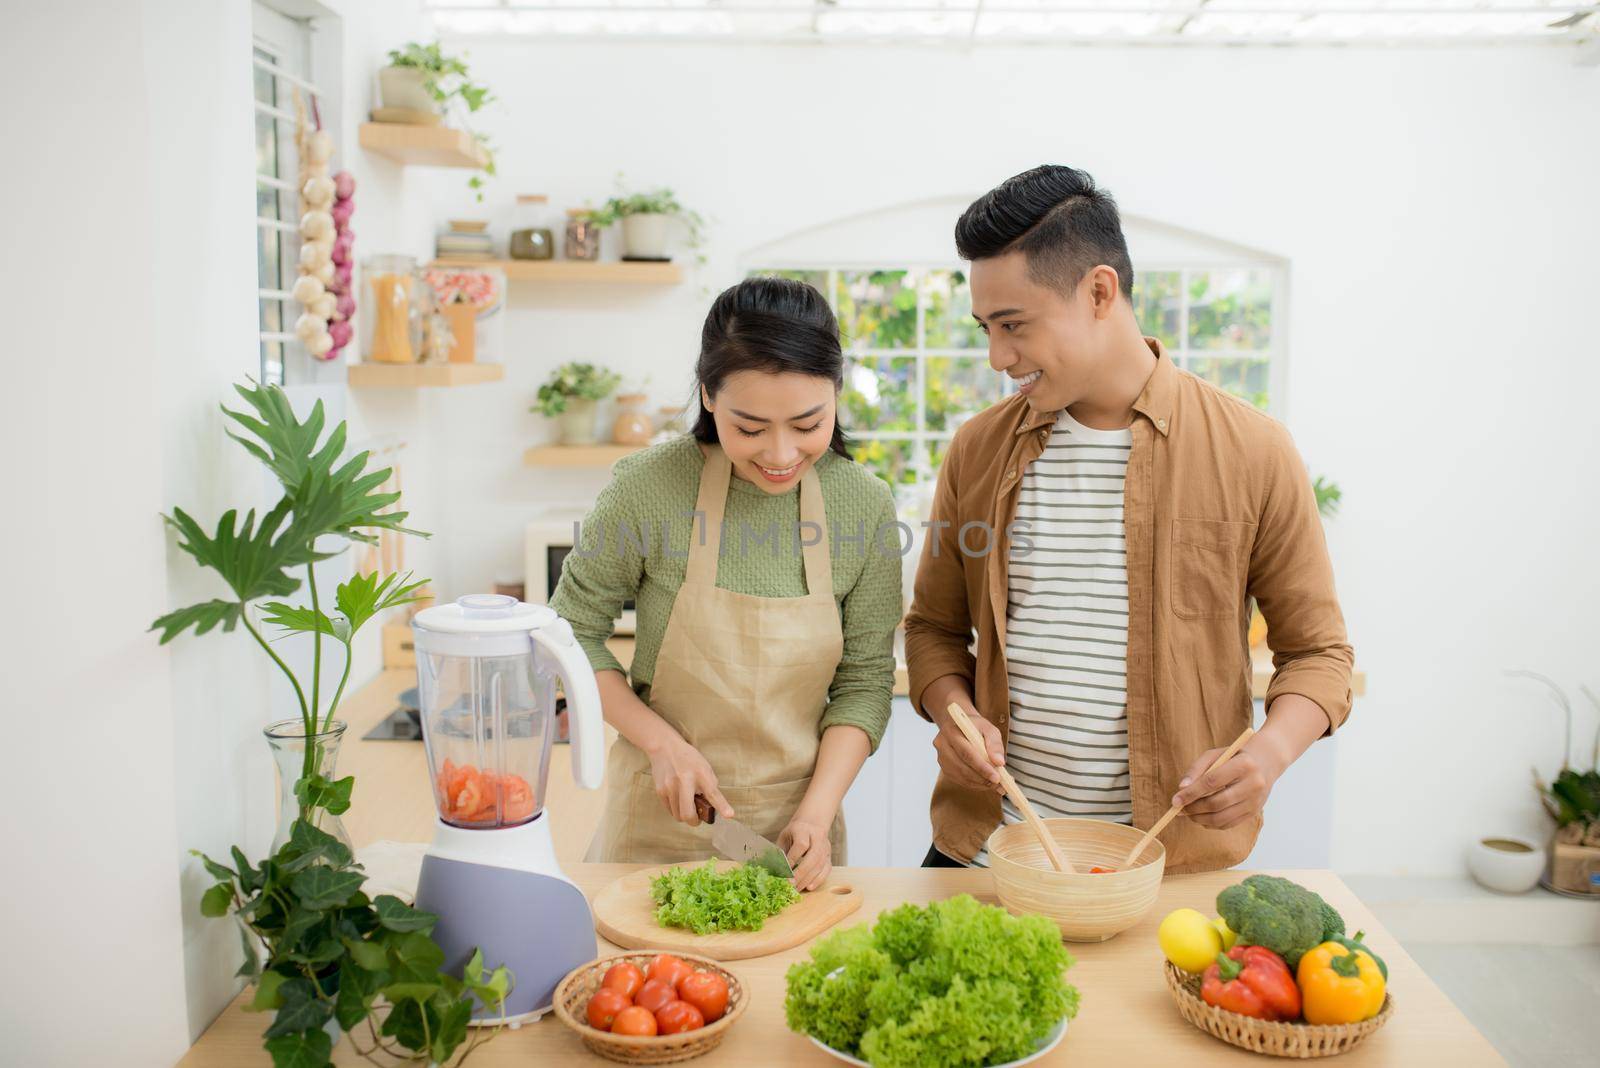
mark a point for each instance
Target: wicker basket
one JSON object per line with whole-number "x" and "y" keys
{"x": 1264, "y": 1036}
{"x": 572, "y": 1000}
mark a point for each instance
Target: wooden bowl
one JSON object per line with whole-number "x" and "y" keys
{"x": 572, "y": 1000}
{"x": 1299, "y": 1040}
{"x": 1087, "y": 908}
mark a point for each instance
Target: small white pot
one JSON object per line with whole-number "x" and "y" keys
{"x": 1506, "y": 863}
{"x": 645, "y": 236}
{"x": 401, "y": 87}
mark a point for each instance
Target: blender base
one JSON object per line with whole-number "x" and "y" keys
{"x": 502, "y": 891}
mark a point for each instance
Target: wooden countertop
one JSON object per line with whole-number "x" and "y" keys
{"x": 1127, "y": 1015}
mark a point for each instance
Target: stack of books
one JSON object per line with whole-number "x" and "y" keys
{"x": 465, "y": 240}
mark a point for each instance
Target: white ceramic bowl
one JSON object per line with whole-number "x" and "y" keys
{"x": 1046, "y": 1044}
{"x": 1506, "y": 863}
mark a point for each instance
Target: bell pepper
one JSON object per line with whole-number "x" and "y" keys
{"x": 1251, "y": 981}
{"x": 1356, "y": 943}
{"x": 1340, "y": 985}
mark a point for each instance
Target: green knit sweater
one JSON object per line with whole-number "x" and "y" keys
{"x": 660, "y": 486}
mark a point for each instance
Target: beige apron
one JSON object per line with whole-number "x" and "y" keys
{"x": 744, "y": 680}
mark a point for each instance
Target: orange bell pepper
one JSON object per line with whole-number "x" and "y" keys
{"x": 1340, "y": 985}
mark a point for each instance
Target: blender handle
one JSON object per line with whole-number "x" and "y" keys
{"x": 585, "y": 726}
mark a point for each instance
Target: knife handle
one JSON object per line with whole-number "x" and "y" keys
{"x": 703, "y": 809}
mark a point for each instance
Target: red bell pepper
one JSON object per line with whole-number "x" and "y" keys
{"x": 1251, "y": 981}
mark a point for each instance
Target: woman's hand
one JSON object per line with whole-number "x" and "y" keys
{"x": 680, "y": 772}
{"x": 810, "y": 853}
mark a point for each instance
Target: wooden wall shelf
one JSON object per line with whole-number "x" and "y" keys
{"x": 416, "y": 375}
{"x": 577, "y": 455}
{"x": 423, "y": 146}
{"x": 607, "y": 272}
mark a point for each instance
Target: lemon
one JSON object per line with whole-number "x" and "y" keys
{"x": 1228, "y": 935}
{"x": 1189, "y": 940}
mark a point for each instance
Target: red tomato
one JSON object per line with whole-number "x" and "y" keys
{"x": 668, "y": 969}
{"x": 604, "y": 1007}
{"x": 625, "y": 978}
{"x": 634, "y": 1020}
{"x": 706, "y": 991}
{"x": 676, "y": 1017}
{"x": 653, "y": 995}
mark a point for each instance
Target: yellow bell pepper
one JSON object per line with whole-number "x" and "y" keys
{"x": 1339, "y": 986}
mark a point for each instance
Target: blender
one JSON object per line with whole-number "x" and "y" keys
{"x": 486, "y": 672}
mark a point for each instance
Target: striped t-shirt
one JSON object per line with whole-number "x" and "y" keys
{"x": 1067, "y": 630}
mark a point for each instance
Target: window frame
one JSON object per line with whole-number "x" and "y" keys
{"x": 925, "y": 472}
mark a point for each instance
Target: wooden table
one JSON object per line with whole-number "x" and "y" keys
{"x": 1127, "y": 1015}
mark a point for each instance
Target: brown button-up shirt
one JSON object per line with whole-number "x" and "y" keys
{"x": 1217, "y": 509}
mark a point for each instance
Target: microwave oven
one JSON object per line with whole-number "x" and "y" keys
{"x": 546, "y": 544}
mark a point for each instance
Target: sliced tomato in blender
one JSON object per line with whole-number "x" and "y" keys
{"x": 467, "y": 795}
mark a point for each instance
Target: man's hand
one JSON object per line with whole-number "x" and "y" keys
{"x": 958, "y": 758}
{"x": 1232, "y": 793}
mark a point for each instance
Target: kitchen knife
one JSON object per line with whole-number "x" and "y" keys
{"x": 737, "y": 842}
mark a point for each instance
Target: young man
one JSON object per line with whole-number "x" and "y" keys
{"x": 1102, "y": 532}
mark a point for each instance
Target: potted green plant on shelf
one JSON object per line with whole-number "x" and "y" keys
{"x": 570, "y": 396}
{"x": 425, "y": 82}
{"x": 320, "y": 950}
{"x": 1572, "y": 800}
{"x": 647, "y": 222}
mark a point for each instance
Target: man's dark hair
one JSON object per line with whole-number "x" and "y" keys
{"x": 1057, "y": 219}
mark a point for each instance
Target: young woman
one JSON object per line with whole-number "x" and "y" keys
{"x": 766, "y": 601}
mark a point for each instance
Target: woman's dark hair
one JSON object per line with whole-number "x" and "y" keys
{"x": 774, "y": 325}
{"x": 1058, "y": 220}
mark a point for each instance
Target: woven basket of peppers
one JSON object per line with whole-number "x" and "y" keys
{"x": 1249, "y": 998}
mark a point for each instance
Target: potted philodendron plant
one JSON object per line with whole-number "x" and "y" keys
{"x": 320, "y": 951}
{"x": 570, "y": 395}
{"x": 647, "y": 220}
{"x": 423, "y": 79}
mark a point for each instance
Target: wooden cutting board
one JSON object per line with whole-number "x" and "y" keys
{"x": 625, "y": 914}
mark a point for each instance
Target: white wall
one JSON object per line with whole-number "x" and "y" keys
{"x": 90, "y": 894}
{"x": 1436, "y": 209}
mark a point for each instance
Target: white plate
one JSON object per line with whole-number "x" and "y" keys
{"x": 1046, "y": 1044}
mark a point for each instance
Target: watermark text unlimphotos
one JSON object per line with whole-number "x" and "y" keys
{"x": 975, "y": 539}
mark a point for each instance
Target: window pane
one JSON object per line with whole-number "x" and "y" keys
{"x": 948, "y": 319}
{"x": 1156, "y": 299}
{"x": 937, "y": 447}
{"x": 1244, "y": 378}
{"x": 880, "y": 393}
{"x": 264, "y": 82}
{"x": 267, "y": 258}
{"x": 1230, "y": 310}
{"x": 817, "y": 280}
{"x": 271, "y": 316}
{"x": 266, "y": 145}
{"x": 877, "y": 310}
{"x": 958, "y": 388}
{"x": 893, "y": 460}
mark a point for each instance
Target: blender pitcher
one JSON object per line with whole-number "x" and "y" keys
{"x": 487, "y": 668}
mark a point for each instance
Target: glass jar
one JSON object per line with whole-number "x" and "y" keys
{"x": 531, "y": 236}
{"x": 391, "y": 322}
{"x": 297, "y": 757}
{"x": 632, "y": 425}
{"x": 583, "y": 236}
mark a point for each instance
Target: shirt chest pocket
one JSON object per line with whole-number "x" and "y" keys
{"x": 1210, "y": 560}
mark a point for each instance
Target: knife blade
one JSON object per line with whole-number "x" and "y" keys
{"x": 739, "y": 843}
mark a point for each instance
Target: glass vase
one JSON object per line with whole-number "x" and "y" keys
{"x": 295, "y": 757}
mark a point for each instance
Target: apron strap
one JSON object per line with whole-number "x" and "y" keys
{"x": 818, "y": 557}
{"x": 705, "y": 550}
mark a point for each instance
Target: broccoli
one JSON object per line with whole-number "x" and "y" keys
{"x": 1283, "y": 916}
{"x": 1332, "y": 922}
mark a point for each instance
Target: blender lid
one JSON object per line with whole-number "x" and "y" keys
{"x": 480, "y": 624}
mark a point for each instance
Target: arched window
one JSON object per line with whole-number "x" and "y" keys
{"x": 917, "y": 363}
